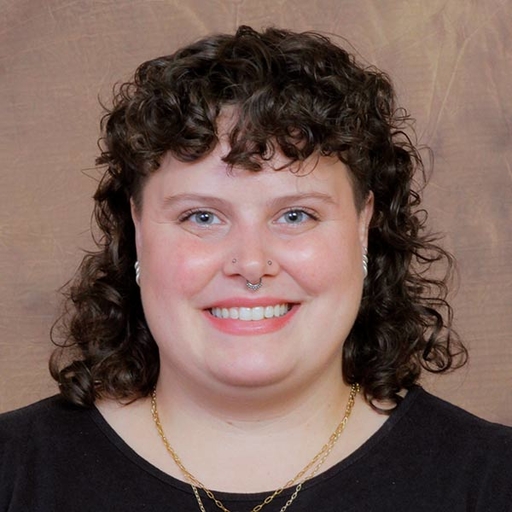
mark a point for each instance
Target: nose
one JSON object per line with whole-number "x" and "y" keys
{"x": 251, "y": 257}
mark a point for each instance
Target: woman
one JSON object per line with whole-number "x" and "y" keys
{"x": 250, "y": 331}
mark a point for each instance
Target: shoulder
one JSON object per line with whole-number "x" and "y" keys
{"x": 35, "y": 429}
{"x": 425, "y": 428}
{"x": 43, "y": 447}
{"x": 447, "y": 421}
{"x": 464, "y": 454}
{"x": 43, "y": 416}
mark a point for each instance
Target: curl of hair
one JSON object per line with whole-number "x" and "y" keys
{"x": 298, "y": 94}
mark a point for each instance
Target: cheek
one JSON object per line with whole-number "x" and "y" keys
{"x": 177, "y": 267}
{"x": 331, "y": 261}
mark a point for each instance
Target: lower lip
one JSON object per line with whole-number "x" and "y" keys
{"x": 241, "y": 327}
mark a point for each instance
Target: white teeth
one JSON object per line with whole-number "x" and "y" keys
{"x": 257, "y": 313}
{"x": 248, "y": 314}
{"x": 245, "y": 314}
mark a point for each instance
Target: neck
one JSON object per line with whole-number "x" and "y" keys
{"x": 222, "y": 440}
{"x": 236, "y": 448}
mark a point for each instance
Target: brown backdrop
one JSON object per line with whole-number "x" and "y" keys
{"x": 451, "y": 61}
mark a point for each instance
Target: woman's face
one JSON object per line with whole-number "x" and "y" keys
{"x": 204, "y": 231}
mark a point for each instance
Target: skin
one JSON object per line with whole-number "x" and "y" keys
{"x": 197, "y": 218}
{"x": 231, "y": 393}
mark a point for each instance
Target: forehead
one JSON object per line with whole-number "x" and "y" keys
{"x": 211, "y": 177}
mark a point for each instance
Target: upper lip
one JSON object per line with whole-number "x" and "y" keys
{"x": 249, "y": 302}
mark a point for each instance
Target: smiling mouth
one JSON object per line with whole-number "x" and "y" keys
{"x": 251, "y": 314}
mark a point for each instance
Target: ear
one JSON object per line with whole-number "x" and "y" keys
{"x": 365, "y": 217}
{"x": 135, "y": 211}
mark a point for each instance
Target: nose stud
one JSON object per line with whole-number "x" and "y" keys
{"x": 234, "y": 260}
{"x": 254, "y": 287}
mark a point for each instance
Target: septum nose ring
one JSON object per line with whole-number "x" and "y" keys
{"x": 254, "y": 287}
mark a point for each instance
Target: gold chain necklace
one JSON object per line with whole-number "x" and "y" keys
{"x": 312, "y": 467}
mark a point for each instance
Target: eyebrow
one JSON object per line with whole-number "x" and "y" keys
{"x": 303, "y": 196}
{"x": 174, "y": 200}
{"x": 169, "y": 201}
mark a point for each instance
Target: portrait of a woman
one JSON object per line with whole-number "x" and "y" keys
{"x": 251, "y": 330}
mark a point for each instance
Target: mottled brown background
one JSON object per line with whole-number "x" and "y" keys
{"x": 452, "y": 64}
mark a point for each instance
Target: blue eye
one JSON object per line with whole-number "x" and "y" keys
{"x": 201, "y": 218}
{"x": 295, "y": 217}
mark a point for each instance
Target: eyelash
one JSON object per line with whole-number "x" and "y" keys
{"x": 309, "y": 213}
{"x": 186, "y": 216}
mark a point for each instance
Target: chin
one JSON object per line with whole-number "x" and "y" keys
{"x": 252, "y": 375}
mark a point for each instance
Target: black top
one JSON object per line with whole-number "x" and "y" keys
{"x": 429, "y": 456}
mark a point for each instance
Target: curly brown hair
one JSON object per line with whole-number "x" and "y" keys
{"x": 298, "y": 94}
